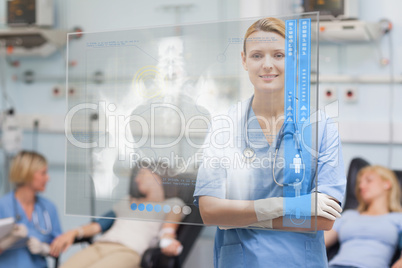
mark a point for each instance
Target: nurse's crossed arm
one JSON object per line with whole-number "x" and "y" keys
{"x": 265, "y": 213}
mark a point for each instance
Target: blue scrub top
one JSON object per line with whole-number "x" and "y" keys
{"x": 21, "y": 257}
{"x": 224, "y": 175}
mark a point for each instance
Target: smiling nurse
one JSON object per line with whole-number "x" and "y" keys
{"x": 238, "y": 196}
{"x": 264, "y": 59}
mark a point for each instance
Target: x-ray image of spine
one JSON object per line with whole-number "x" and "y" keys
{"x": 168, "y": 110}
{"x": 171, "y": 64}
{"x": 167, "y": 78}
{"x": 149, "y": 120}
{"x": 114, "y": 155}
{"x": 105, "y": 180}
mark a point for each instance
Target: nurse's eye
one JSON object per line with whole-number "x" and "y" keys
{"x": 279, "y": 55}
{"x": 256, "y": 56}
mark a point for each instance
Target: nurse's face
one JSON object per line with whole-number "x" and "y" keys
{"x": 265, "y": 61}
{"x": 40, "y": 179}
{"x": 372, "y": 186}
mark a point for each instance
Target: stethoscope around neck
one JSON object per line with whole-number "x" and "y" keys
{"x": 46, "y": 216}
{"x": 288, "y": 128}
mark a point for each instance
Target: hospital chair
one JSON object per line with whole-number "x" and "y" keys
{"x": 351, "y": 202}
{"x": 187, "y": 233}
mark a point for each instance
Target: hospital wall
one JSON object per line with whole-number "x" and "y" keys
{"x": 364, "y": 124}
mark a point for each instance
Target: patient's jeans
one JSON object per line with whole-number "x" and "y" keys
{"x": 104, "y": 255}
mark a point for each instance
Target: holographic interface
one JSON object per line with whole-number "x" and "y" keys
{"x": 156, "y": 109}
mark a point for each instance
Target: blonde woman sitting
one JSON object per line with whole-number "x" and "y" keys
{"x": 369, "y": 235}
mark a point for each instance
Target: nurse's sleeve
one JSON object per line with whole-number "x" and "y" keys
{"x": 211, "y": 177}
{"x": 54, "y": 218}
{"x": 330, "y": 167}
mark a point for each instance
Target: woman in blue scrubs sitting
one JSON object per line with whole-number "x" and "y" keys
{"x": 235, "y": 194}
{"x": 369, "y": 235}
{"x": 32, "y": 212}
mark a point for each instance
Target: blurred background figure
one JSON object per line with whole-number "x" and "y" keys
{"x": 31, "y": 212}
{"x": 124, "y": 241}
{"x": 368, "y": 236}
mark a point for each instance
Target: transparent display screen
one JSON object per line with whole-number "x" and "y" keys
{"x": 163, "y": 114}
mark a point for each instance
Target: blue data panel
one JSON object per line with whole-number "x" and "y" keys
{"x": 298, "y": 182}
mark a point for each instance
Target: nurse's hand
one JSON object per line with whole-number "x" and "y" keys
{"x": 38, "y": 248}
{"x": 327, "y": 207}
{"x": 275, "y": 207}
{"x": 18, "y": 232}
{"x": 305, "y": 205}
{"x": 62, "y": 243}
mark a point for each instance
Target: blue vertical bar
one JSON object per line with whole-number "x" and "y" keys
{"x": 298, "y": 209}
{"x": 303, "y": 109}
{"x": 290, "y": 69}
{"x": 289, "y": 112}
{"x": 290, "y": 98}
{"x": 304, "y": 71}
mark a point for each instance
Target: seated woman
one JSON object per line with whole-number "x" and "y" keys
{"x": 35, "y": 216}
{"x": 368, "y": 236}
{"x": 123, "y": 244}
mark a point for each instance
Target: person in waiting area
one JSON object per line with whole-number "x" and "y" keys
{"x": 36, "y": 219}
{"x": 124, "y": 241}
{"x": 368, "y": 236}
